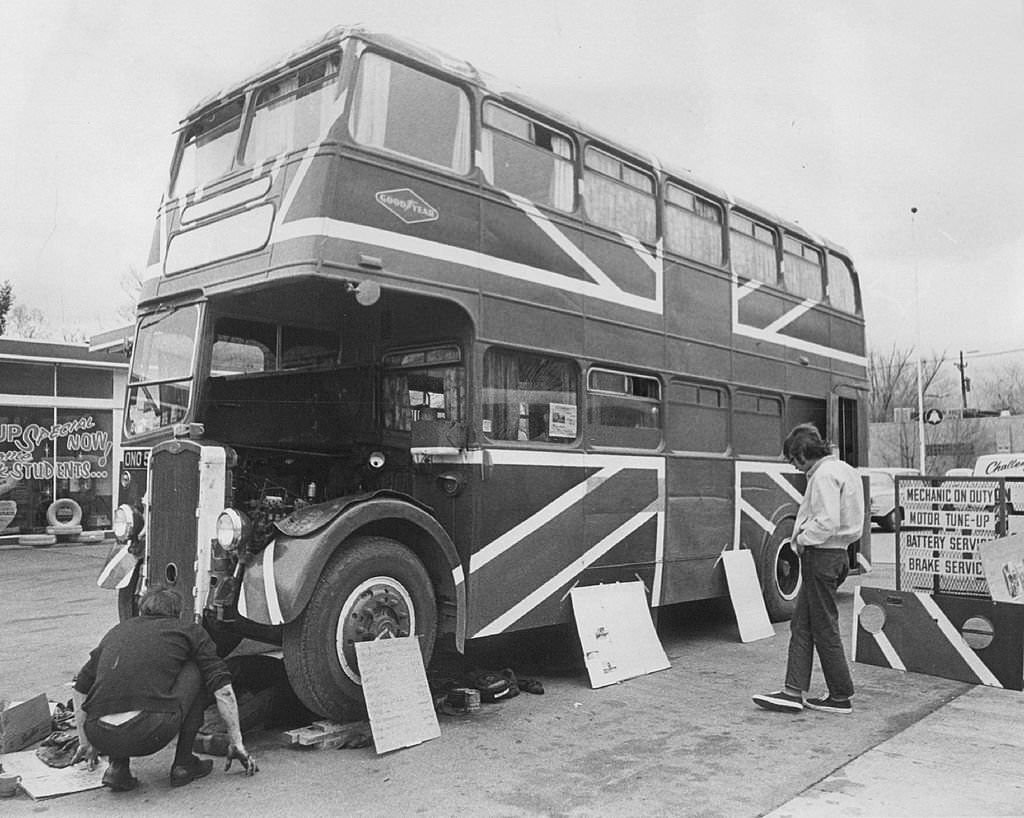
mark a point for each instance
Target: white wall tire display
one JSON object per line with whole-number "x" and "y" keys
{"x": 64, "y": 530}
{"x": 58, "y": 508}
{"x": 37, "y": 540}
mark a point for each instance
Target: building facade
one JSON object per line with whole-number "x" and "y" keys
{"x": 60, "y": 420}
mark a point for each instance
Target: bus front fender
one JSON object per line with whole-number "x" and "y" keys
{"x": 278, "y": 584}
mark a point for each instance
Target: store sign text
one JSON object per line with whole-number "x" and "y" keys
{"x": 80, "y": 436}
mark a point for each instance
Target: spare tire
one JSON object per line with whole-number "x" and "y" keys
{"x": 60, "y": 508}
{"x": 37, "y": 540}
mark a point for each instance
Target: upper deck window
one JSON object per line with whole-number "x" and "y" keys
{"x": 522, "y": 156}
{"x": 400, "y": 109}
{"x": 208, "y": 147}
{"x": 693, "y": 225}
{"x": 803, "y": 270}
{"x": 753, "y": 249}
{"x": 619, "y": 195}
{"x": 293, "y": 111}
{"x": 842, "y": 287}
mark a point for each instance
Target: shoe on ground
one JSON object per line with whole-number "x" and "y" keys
{"x": 182, "y": 774}
{"x": 829, "y": 705}
{"x": 119, "y": 778}
{"x": 780, "y": 701}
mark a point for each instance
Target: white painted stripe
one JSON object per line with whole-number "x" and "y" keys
{"x": 517, "y": 533}
{"x": 863, "y": 562}
{"x": 659, "y": 548}
{"x": 747, "y": 288}
{"x": 576, "y": 567}
{"x": 784, "y": 484}
{"x": 270, "y": 585}
{"x": 858, "y": 606}
{"x": 563, "y": 242}
{"x": 293, "y": 189}
{"x": 349, "y": 231}
{"x": 757, "y": 517}
{"x": 889, "y": 652}
{"x": 957, "y": 641}
{"x": 243, "y": 606}
{"x": 789, "y": 317}
{"x": 798, "y": 343}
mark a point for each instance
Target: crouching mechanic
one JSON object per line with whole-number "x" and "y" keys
{"x": 150, "y": 679}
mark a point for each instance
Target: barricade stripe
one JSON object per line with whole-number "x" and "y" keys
{"x": 957, "y": 641}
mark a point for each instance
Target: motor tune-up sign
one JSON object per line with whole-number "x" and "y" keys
{"x": 943, "y": 523}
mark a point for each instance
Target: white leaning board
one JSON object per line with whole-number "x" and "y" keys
{"x": 398, "y": 699}
{"x": 616, "y": 632}
{"x": 745, "y": 592}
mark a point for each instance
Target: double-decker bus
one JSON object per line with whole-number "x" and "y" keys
{"x": 419, "y": 355}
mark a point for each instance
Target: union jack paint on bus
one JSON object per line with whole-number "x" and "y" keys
{"x": 419, "y": 355}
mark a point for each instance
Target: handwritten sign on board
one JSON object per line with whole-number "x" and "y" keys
{"x": 397, "y": 697}
{"x": 616, "y": 632}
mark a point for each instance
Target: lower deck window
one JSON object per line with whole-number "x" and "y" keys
{"x": 623, "y": 409}
{"x": 529, "y": 397}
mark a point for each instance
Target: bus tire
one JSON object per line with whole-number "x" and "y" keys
{"x": 57, "y": 506}
{"x": 369, "y": 589}
{"x": 781, "y": 577}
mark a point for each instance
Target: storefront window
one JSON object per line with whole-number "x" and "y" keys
{"x": 18, "y": 378}
{"x": 84, "y": 466}
{"x": 26, "y": 469}
{"x": 46, "y": 456}
{"x": 84, "y": 382}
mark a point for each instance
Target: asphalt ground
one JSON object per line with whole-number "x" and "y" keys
{"x": 684, "y": 741}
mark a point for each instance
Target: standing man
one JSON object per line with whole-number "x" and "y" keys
{"x": 150, "y": 679}
{"x": 831, "y": 516}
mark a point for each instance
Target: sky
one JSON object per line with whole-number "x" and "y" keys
{"x": 842, "y": 115}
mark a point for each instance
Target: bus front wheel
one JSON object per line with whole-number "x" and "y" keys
{"x": 375, "y": 588}
{"x": 780, "y": 573}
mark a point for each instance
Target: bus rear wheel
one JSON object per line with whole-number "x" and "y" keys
{"x": 780, "y": 573}
{"x": 375, "y": 588}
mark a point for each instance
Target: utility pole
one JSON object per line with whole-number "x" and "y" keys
{"x": 965, "y": 382}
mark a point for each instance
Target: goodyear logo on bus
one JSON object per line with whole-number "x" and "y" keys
{"x": 407, "y": 205}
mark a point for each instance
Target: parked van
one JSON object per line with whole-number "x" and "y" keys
{"x": 884, "y": 513}
{"x": 1010, "y": 466}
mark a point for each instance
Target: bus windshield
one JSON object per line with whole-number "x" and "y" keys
{"x": 160, "y": 381}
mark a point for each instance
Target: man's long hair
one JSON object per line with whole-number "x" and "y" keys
{"x": 806, "y": 443}
{"x": 160, "y": 601}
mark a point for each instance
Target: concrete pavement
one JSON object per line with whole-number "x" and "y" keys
{"x": 687, "y": 741}
{"x": 964, "y": 759}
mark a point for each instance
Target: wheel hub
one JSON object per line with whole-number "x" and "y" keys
{"x": 379, "y": 608}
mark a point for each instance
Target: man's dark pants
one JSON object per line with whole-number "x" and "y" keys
{"x": 815, "y": 623}
{"x": 148, "y": 732}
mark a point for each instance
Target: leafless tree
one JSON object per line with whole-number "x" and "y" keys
{"x": 1001, "y": 387}
{"x": 26, "y": 322}
{"x": 893, "y": 378}
{"x": 131, "y": 286}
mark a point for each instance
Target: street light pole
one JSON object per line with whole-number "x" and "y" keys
{"x": 920, "y": 380}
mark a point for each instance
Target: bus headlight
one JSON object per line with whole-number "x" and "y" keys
{"x": 126, "y": 523}
{"x": 232, "y": 529}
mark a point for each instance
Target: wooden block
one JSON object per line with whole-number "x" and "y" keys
{"x": 24, "y": 723}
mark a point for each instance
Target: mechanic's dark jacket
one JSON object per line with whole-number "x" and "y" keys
{"x": 136, "y": 664}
